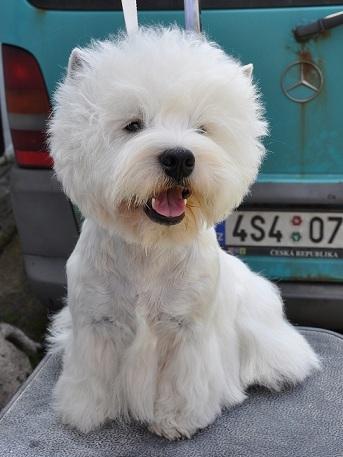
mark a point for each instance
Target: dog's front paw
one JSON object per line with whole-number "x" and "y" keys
{"x": 83, "y": 423}
{"x": 76, "y": 406}
{"x": 170, "y": 430}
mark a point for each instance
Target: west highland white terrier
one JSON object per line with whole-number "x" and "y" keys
{"x": 156, "y": 138}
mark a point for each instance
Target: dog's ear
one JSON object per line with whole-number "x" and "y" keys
{"x": 76, "y": 61}
{"x": 247, "y": 70}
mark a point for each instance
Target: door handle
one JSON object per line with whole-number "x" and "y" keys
{"x": 305, "y": 32}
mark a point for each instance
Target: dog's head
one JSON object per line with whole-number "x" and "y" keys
{"x": 156, "y": 135}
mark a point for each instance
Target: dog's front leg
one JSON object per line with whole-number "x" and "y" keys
{"x": 84, "y": 395}
{"x": 193, "y": 383}
{"x": 95, "y": 335}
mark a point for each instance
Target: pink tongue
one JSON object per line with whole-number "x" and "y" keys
{"x": 169, "y": 203}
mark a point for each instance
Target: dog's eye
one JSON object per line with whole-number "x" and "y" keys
{"x": 201, "y": 130}
{"x": 134, "y": 126}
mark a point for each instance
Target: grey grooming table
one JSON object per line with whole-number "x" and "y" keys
{"x": 304, "y": 421}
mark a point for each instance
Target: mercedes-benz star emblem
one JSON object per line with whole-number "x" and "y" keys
{"x": 302, "y": 81}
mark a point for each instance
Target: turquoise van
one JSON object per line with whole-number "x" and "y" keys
{"x": 290, "y": 228}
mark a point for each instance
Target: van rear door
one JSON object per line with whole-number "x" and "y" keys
{"x": 291, "y": 227}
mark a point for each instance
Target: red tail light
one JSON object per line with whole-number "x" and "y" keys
{"x": 28, "y": 107}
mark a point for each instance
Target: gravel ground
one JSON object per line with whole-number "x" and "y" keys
{"x": 18, "y": 304}
{"x": 7, "y": 223}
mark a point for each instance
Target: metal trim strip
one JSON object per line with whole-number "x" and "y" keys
{"x": 306, "y": 195}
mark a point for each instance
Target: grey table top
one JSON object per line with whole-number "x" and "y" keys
{"x": 303, "y": 421}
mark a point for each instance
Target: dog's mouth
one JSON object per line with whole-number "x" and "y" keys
{"x": 169, "y": 206}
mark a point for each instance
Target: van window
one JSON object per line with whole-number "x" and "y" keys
{"x": 175, "y": 4}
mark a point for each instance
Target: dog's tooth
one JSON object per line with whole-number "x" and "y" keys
{"x": 185, "y": 201}
{"x": 153, "y": 200}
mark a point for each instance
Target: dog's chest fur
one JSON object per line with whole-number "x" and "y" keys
{"x": 170, "y": 289}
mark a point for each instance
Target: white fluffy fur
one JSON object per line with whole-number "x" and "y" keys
{"x": 161, "y": 325}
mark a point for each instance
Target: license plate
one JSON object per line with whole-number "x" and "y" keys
{"x": 285, "y": 234}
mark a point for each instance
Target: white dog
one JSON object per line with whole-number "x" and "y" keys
{"x": 156, "y": 137}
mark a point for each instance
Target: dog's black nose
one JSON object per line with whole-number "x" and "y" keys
{"x": 177, "y": 163}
